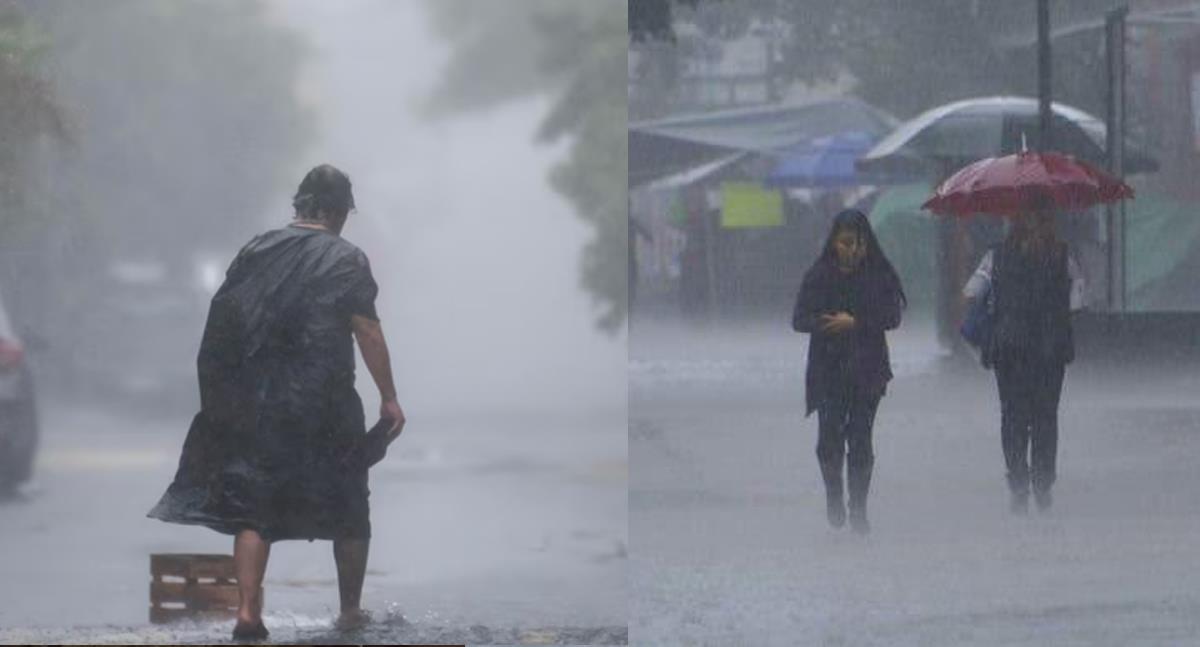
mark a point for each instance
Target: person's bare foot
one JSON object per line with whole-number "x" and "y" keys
{"x": 353, "y": 619}
{"x": 245, "y": 630}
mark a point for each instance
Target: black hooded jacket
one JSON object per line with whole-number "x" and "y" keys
{"x": 858, "y": 358}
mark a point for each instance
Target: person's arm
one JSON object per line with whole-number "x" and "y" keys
{"x": 1078, "y": 284}
{"x": 806, "y": 316}
{"x": 981, "y": 279}
{"x": 809, "y": 316}
{"x": 883, "y": 313}
{"x": 369, "y": 335}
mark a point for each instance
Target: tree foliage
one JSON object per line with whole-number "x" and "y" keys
{"x": 184, "y": 118}
{"x": 574, "y": 52}
{"x": 28, "y": 108}
{"x": 653, "y": 19}
{"x": 904, "y": 56}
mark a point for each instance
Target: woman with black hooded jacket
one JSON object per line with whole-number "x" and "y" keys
{"x": 847, "y": 301}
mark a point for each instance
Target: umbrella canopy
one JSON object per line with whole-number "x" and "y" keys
{"x": 954, "y": 134}
{"x": 826, "y": 162}
{"x": 1023, "y": 182}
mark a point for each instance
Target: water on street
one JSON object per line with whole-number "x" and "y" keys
{"x": 477, "y": 539}
{"x": 730, "y": 544}
{"x": 500, "y": 514}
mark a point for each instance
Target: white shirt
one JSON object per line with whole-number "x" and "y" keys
{"x": 983, "y": 278}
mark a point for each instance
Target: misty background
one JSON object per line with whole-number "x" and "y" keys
{"x": 167, "y": 163}
{"x": 149, "y": 140}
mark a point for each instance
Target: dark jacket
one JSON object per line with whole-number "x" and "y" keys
{"x": 855, "y": 359}
{"x": 1033, "y": 305}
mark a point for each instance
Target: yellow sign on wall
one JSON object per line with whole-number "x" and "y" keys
{"x": 745, "y": 205}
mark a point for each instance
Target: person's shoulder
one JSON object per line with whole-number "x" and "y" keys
{"x": 349, "y": 249}
{"x": 817, "y": 273}
{"x": 348, "y": 254}
{"x": 1002, "y": 250}
{"x": 261, "y": 240}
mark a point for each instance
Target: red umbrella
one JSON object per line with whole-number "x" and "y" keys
{"x": 1024, "y": 182}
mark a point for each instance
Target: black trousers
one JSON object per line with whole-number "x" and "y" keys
{"x": 844, "y": 436}
{"x": 1030, "y": 388}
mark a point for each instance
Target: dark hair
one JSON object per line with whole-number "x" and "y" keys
{"x": 1028, "y": 234}
{"x": 324, "y": 193}
{"x": 874, "y": 262}
{"x": 1039, "y": 200}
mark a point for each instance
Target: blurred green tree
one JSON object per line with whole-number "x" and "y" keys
{"x": 184, "y": 117}
{"x": 183, "y": 126}
{"x": 574, "y": 52}
{"x": 903, "y": 56}
{"x": 28, "y": 111}
{"x": 653, "y": 19}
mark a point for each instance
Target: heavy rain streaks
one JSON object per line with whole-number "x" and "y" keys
{"x": 754, "y": 128}
{"x": 499, "y": 515}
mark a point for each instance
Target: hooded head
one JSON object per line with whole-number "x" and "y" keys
{"x": 852, "y": 246}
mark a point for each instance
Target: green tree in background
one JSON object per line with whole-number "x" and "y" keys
{"x": 904, "y": 56}
{"x": 653, "y": 19}
{"x": 184, "y": 130}
{"x": 184, "y": 117}
{"x": 28, "y": 110}
{"x": 574, "y": 52}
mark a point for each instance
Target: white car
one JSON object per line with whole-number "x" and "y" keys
{"x": 18, "y": 411}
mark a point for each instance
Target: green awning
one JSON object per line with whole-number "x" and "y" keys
{"x": 1161, "y": 235}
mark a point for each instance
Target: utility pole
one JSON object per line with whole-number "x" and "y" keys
{"x": 1115, "y": 136}
{"x": 1044, "y": 113}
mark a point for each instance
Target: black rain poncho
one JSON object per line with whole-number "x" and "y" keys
{"x": 278, "y": 407}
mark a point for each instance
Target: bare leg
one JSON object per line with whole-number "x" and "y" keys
{"x": 250, "y": 555}
{"x": 351, "y": 558}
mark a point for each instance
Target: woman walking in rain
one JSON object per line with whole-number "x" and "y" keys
{"x": 848, "y": 299}
{"x": 1035, "y": 284}
{"x": 264, "y": 458}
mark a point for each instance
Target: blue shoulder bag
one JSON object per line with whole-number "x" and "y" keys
{"x": 980, "y": 319}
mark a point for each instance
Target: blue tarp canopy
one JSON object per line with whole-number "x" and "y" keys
{"x": 826, "y": 162}
{"x": 666, "y": 146}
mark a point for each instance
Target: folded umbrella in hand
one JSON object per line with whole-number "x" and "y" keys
{"x": 372, "y": 447}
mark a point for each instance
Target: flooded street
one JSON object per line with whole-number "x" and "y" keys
{"x": 487, "y": 531}
{"x": 730, "y": 542}
{"x": 500, "y": 515}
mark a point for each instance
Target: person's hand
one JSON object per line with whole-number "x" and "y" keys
{"x": 837, "y": 323}
{"x": 390, "y": 410}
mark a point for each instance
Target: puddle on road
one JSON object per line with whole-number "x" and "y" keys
{"x": 311, "y": 631}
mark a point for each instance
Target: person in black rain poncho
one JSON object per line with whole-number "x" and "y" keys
{"x": 264, "y": 458}
{"x": 849, "y": 297}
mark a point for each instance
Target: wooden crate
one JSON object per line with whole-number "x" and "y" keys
{"x": 192, "y": 586}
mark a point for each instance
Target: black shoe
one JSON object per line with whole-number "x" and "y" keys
{"x": 1044, "y": 500}
{"x": 1019, "y": 504}
{"x": 835, "y": 511}
{"x": 250, "y": 632}
{"x": 858, "y": 521}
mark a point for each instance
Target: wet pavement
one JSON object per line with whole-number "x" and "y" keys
{"x": 486, "y": 529}
{"x": 387, "y": 631}
{"x": 730, "y": 543}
